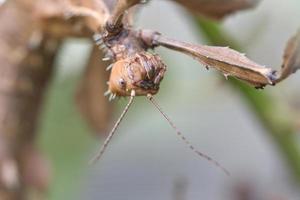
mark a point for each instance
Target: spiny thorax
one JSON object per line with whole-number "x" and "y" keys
{"x": 122, "y": 45}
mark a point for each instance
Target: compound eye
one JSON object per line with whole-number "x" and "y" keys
{"x": 122, "y": 83}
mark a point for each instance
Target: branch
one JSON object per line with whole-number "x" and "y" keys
{"x": 26, "y": 64}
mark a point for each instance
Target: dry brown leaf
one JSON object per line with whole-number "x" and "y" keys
{"x": 93, "y": 105}
{"x": 291, "y": 57}
{"x": 225, "y": 60}
{"x": 216, "y": 9}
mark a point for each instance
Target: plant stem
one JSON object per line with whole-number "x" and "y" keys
{"x": 267, "y": 110}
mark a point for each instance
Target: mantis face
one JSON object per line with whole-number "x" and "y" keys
{"x": 142, "y": 73}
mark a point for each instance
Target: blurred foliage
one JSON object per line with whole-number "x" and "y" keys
{"x": 268, "y": 111}
{"x": 64, "y": 139}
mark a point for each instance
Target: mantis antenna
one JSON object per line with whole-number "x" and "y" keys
{"x": 112, "y": 132}
{"x": 187, "y": 142}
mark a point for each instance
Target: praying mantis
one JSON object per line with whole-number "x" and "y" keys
{"x": 32, "y": 31}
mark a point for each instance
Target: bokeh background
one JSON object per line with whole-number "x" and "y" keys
{"x": 146, "y": 160}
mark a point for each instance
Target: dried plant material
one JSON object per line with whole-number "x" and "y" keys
{"x": 291, "y": 57}
{"x": 93, "y": 105}
{"x": 26, "y": 57}
{"x": 225, "y": 60}
{"x": 216, "y": 9}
